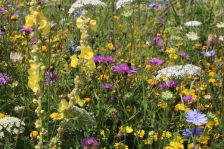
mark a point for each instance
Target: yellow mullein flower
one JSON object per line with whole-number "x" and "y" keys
{"x": 63, "y": 105}
{"x": 79, "y": 22}
{"x": 86, "y": 52}
{"x": 74, "y": 61}
{"x": 92, "y": 25}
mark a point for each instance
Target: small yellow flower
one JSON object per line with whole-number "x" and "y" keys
{"x": 92, "y": 25}
{"x": 56, "y": 116}
{"x": 179, "y": 107}
{"x": 79, "y": 22}
{"x": 34, "y": 134}
{"x": 203, "y": 139}
{"x": 128, "y": 129}
{"x": 44, "y": 49}
{"x": 63, "y": 105}
{"x": 86, "y": 53}
{"x": 141, "y": 133}
{"x": 2, "y": 115}
{"x": 110, "y": 46}
{"x": 74, "y": 61}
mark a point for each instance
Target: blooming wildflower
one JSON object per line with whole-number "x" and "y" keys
{"x": 108, "y": 59}
{"x": 184, "y": 55}
{"x": 120, "y": 146}
{"x": 220, "y": 25}
{"x": 89, "y": 143}
{"x": 2, "y": 115}
{"x": 158, "y": 41}
{"x": 33, "y": 41}
{"x": 141, "y": 133}
{"x": 179, "y": 107}
{"x": 74, "y": 61}
{"x": 4, "y": 78}
{"x": 170, "y": 84}
{"x": 192, "y": 23}
{"x": 11, "y": 125}
{"x": 203, "y": 139}
{"x": 34, "y": 134}
{"x": 192, "y": 132}
{"x": 179, "y": 71}
{"x": 16, "y": 56}
{"x": 27, "y": 30}
{"x": 188, "y": 98}
{"x": 192, "y": 36}
{"x": 128, "y": 129}
{"x": 196, "y": 117}
{"x": 153, "y": 5}
{"x": 167, "y": 95}
{"x": 56, "y": 116}
{"x": 2, "y": 10}
{"x": 81, "y": 3}
{"x": 50, "y": 77}
{"x": 107, "y": 87}
{"x": 124, "y": 68}
{"x": 86, "y": 52}
{"x": 121, "y": 3}
{"x": 209, "y": 53}
{"x": 156, "y": 61}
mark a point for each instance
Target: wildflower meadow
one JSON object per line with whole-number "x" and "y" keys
{"x": 111, "y": 74}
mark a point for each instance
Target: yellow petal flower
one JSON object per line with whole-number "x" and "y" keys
{"x": 128, "y": 129}
{"x": 74, "y": 61}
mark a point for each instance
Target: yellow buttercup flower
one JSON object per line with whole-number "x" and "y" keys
{"x": 128, "y": 129}
{"x": 56, "y": 116}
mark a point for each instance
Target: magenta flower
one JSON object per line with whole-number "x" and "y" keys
{"x": 27, "y": 30}
{"x": 103, "y": 59}
{"x": 156, "y": 61}
{"x": 89, "y": 143}
{"x": 124, "y": 68}
{"x": 196, "y": 117}
{"x": 2, "y": 10}
{"x": 4, "y": 78}
{"x": 159, "y": 41}
{"x": 170, "y": 84}
{"x": 188, "y": 99}
{"x": 184, "y": 55}
{"x": 33, "y": 41}
{"x": 107, "y": 87}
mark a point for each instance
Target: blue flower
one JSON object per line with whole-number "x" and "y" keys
{"x": 196, "y": 117}
{"x": 192, "y": 132}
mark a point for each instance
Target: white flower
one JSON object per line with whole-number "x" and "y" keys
{"x": 220, "y": 25}
{"x": 192, "y": 36}
{"x": 121, "y": 3}
{"x": 221, "y": 38}
{"x": 179, "y": 71}
{"x": 16, "y": 56}
{"x": 192, "y": 23}
{"x": 81, "y": 3}
{"x": 12, "y": 125}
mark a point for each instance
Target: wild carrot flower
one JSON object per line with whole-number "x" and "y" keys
{"x": 124, "y": 68}
{"x": 196, "y": 117}
{"x": 4, "y": 78}
{"x": 89, "y": 143}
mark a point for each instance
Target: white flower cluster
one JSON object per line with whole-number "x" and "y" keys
{"x": 192, "y": 23}
{"x": 16, "y": 56}
{"x": 11, "y": 125}
{"x": 192, "y": 36}
{"x": 179, "y": 71}
{"x": 121, "y": 3}
{"x": 220, "y": 25}
{"x": 81, "y": 3}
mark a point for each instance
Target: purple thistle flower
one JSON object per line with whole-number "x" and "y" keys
{"x": 209, "y": 53}
{"x": 196, "y": 117}
{"x": 33, "y": 41}
{"x": 2, "y": 10}
{"x": 156, "y": 61}
{"x": 107, "y": 87}
{"x": 50, "y": 77}
{"x": 124, "y": 68}
{"x": 170, "y": 84}
{"x": 89, "y": 143}
{"x": 192, "y": 132}
{"x": 27, "y": 30}
{"x": 188, "y": 99}
{"x": 4, "y": 78}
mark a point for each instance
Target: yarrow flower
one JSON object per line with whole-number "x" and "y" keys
{"x": 192, "y": 36}
{"x": 4, "y": 78}
{"x": 179, "y": 71}
{"x": 121, "y": 3}
{"x": 124, "y": 68}
{"x": 11, "y": 125}
{"x": 89, "y": 143}
{"x": 220, "y": 25}
{"x": 192, "y": 132}
{"x": 196, "y": 117}
{"x": 192, "y": 23}
{"x": 81, "y": 3}
{"x": 16, "y": 56}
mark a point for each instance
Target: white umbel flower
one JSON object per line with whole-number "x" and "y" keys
{"x": 220, "y": 25}
{"x": 192, "y": 36}
{"x": 192, "y": 23}
{"x": 221, "y": 38}
{"x": 121, "y": 3}
{"x": 11, "y": 125}
{"x": 81, "y": 3}
{"x": 179, "y": 71}
{"x": 16, "y": 56}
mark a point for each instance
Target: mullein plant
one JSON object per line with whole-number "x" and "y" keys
{"x": 36, "y": 21}
{"x": 85, "y": 62}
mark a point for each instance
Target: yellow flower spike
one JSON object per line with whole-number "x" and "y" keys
{"x": 128, "y": 129}
{"x": 63, "y": 105}
{"x": 74, "y": 61}
{"x": 44, "y": 25}
{"x": 86, "y": 52}
{"x": 30, "y": 20}
{"x": 93, "y": 25}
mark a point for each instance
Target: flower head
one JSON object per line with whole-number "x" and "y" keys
{"x": 196, "y": 117}
{"x": 156, "y": 61}
{"x": 124, "y": 68}
{"x": 2, "y": 10}
{"x": 89, "y": 143}
{"x": 192, "y": 132}
{"x": 192, "y": 23}
{"x": 107, "y": 87}
{"x": 4, "y": 78}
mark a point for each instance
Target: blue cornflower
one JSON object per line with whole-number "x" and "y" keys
{"x": 192, "y": 132}
{"x": 196, "y": 117}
